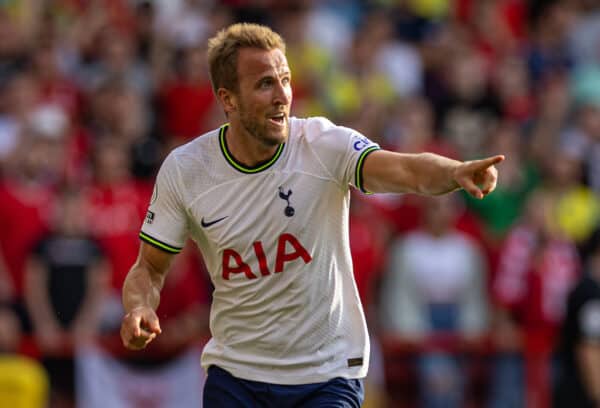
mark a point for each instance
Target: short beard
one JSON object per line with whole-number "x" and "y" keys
{"x": 260, "y": 133}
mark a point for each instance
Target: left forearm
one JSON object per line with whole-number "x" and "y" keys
{"x": 422, "y": 173}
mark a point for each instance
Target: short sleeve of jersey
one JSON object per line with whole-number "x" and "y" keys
{"x": 341, "y": 150}
{"x": 165, "y": 226}
{"x": 589, "y": 320}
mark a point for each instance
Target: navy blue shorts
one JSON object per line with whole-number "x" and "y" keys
{"x": 223, "y": 390}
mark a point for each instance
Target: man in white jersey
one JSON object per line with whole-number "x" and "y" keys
{"x": 266, "y": 197}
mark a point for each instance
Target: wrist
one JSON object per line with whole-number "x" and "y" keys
{"x": 454, "y": 174}
{"x": 136, "y": 308}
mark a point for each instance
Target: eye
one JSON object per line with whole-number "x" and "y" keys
{"x": 285, "y": 80}
{"x": 266, "y": 83}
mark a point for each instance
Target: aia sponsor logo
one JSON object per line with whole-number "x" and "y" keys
{"x": 289, "y": 249}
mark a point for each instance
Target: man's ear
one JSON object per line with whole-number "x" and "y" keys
{"x": 228, "y": 100}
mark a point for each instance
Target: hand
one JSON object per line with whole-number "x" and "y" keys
{"x": 478, "y": 177}
{"x": 139, "y": 327}
{"x": 50, "y": 338}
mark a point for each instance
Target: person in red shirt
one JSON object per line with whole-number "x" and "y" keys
{"x": 537, "y": 267}
{"x": 26, "y": 193}
{"x": 187, "y": 101}
{"x": 55, "y": 87}
{"x": 116, "y": 206}
{"x": 65, "y": 281}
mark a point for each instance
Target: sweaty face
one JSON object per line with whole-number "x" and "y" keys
{"x": 265, "y": 95}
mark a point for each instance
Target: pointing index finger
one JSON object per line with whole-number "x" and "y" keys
{"x": 489, "y": 161}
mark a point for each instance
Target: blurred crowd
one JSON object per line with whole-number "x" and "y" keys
{"x": 465, "y": 299}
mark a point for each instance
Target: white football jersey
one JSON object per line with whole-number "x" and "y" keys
{"x": 285, "y": 307}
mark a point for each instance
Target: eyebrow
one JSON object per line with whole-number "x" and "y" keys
{"x": 286, "y": 73}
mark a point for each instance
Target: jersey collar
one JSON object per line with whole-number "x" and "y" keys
{"x": 239, "y": 166}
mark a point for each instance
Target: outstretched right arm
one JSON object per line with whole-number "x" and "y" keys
{"x": 141, "y": 296}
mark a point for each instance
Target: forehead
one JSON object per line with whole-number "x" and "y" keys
{"x": 254, "y": 63}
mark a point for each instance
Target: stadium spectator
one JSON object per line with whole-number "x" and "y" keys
{"x": 498, "y": 27}
{"x": 18, "y": 100}
{"x": 511, "y": 83}
{"x": 584, "y": 33}
{"x": 577, "y": 206}
{"x": 554, "y": 106}
{"x": 26, "y": 195}
{"x": 578, "y": 381}
{"x": 184, "y": 24}
{"x": 66, "y": 279}
{"x": 536, "y": 269}
{"x": 582, "y": 137}
{"x": 520, "y": 177}
{"x": 115, "y": 57}
{"x": 56, "y": 87}
{"x": 116, "y": 205}
{"x": 117, "y": 111}
{"x": 468, "y": 109}
{"x": 187, "y": 103}
{"x": 548, "y": 52}
{"x": 434, "y": 294}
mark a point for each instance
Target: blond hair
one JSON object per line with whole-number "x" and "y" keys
{"x": 224, "y": 46}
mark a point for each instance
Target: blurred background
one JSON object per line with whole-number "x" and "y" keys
{"x": 466, "y": 299}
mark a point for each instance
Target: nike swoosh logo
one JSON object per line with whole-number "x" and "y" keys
{"x": 208, "y": 224}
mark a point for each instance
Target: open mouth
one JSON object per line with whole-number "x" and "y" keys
{"x": 278, "y": 119}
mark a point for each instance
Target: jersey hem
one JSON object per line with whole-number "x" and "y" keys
{"x": 159, "y": 244}
{"x": 292, "y": 379}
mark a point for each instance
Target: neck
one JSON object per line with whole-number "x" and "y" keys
{"x": 245, "y": 147}
{"x": 436, "y": 230}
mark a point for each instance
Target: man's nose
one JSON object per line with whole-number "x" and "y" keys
{"x": 283, "y": 94}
